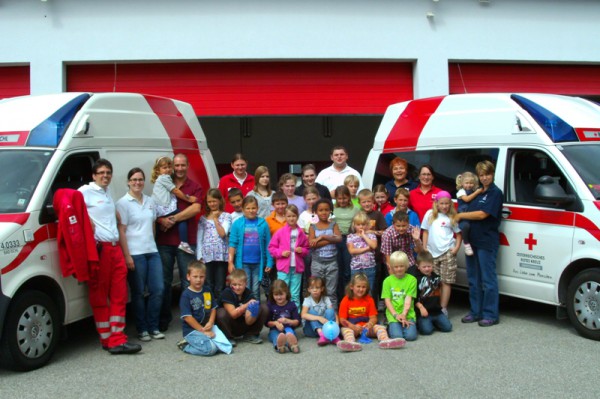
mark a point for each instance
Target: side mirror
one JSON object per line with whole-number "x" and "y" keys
{"x": 47, "y": 215}
{"x": 549, "y": 191}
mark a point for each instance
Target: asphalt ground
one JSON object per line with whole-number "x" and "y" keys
{"x": 530, "y": 354}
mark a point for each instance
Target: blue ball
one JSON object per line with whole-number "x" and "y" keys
{"x": 331, "y": 330}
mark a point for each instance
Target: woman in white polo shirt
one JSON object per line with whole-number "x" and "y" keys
{"x": 136, "y": 231}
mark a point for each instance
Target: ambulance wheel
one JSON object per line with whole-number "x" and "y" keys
{"x": 30, "y": 333}
{"x": 583, "y": 303}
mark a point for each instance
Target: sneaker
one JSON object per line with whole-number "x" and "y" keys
{"x": 185, "y": 247}
{"x": 144, "y": 336}
{"x": 469, "y": 319}
{"x": 157, "y": 335}
{"x": 182, "y": 344}
{"x": 347, "y": 346}
{"x": 487, "y": 322}
{"x": 335, "y": 340}
{"x": 233, "y": 342}
{"x": 322, "y": 341}
{"x": 445, "y": 311}
{"x": 253, "y": 339}
{"x": 468, "y": 250}
{"x": 392, "y": 343}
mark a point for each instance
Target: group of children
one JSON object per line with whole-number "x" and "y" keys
{"x": 341, "y": 255}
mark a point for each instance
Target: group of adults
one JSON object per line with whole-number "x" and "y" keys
{"x": 484, "y": 214}
{"x": 122, "y": 229}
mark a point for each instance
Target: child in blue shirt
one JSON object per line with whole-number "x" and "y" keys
{"x": 198, "y": 312}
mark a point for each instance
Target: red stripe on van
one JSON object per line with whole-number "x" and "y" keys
{"x": 42, "y": 234}
{"x": 13, "y": 138}
{"x": 18, "y": 218}
{"x": 556, "y": 217}
{"x": 182, "y": 138}
{"x": 407, "y": 129}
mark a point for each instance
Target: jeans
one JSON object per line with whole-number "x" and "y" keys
{"x": 253, "y": 273}
{"x": 370, "y": 273}
{"x": 465, "y": 229}
{"x": 168, "y": 255}
{"x": 409, "y": 333}
{"x": 147, "y": 273}
{"x": 483, "y": 284}
{"x": 343, "y": 258}
{"x": 216, "y": 272}
{"x": 310, "y": 326}
{"x": 426, "y": 324}
{"x": 200, "y": 345}
{"x": 293, "y": 280}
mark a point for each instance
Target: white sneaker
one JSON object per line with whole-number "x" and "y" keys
{"x": 468, "y": 250}
{"x": 185, "y": 247}
{"x": 157, "y": 335}
{"x": 144, "y": 336}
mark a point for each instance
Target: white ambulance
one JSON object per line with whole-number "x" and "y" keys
{"x": 546, "y": 149}
{"x": 50, "y": 142}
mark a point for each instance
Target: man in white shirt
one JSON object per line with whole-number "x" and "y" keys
{"x": 334, "y": 176}
{"x": 107, "y": 287}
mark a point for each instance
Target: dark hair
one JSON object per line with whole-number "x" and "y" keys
{"x": 428, "y": 167}
{"x": 308, "y": 166}
{"x": 292, "y": 208}
{"x": 249, "y": 200}
{"x": 400, "y": 217}
{"x": 100, "y": 163}
{"x": 234, "y": 192}
{"x": 279, "y": 286}
{"x": 343, "y": 190}
{"x": 278, "y": 196}
{"x": 339, "y": 147}
{"x": 238, "y": 157}
{"x": 323, "y": 201}
{"x": 424, "y": 257}
{"x": 133, "y": 171}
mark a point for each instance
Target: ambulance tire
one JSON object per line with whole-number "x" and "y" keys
{"x": 31, "y": 332}
{"x": 583, "y": 303}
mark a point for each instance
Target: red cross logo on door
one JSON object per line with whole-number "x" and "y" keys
{"x": 530, "y": 241}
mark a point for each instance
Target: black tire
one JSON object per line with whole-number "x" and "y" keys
{"x": 31, "y": 332}
{"x": 583, "y": 303}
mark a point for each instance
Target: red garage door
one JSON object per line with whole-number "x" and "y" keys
{"x": 14, "y": 81}
{"x": 538, "y": 78}
{"x": 257, "y": 88}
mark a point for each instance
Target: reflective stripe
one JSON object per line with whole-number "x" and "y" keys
{"x": 115, "y": 329}
{"x": 117, "y": 319}
{"x": 102, "y": 324}
{"x": 104, "y": 335}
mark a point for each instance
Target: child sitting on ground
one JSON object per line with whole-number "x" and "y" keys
{"x": 358, "y": 313}
{"x": 399, "y": 290}
{"x": 317, "y": 310}
{"x": 428, "y": 307}
{"x": 239, "y": 314}
{"x": 282, "y": 318}
{"x": 198, "y": 311}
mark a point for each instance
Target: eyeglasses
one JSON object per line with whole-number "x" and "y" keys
{"x": 104, "y": 172}
{"x": 136, "y": 180}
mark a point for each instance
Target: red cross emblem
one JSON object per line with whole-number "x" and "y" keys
{"x": 530, "y": 241}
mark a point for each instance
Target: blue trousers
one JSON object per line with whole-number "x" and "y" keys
{"x": 483, "y": 284}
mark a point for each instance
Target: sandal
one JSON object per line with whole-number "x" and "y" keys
{"x": 281, "y": 339}
{"x": 281, "y": 349}
{"x": 295, "y": 349}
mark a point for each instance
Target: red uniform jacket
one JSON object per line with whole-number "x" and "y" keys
{"x": 75, "y": 237}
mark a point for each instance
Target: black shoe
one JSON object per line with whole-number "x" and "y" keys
{"x": 125, "y": 349}
{"x": 162, "y": 327}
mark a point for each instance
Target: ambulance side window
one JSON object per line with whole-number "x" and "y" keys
{"x": 74, "y": 172}
{"x": 526, "y": 168}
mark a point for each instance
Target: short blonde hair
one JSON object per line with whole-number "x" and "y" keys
{"x": 399, "y": 258}
{"x": 364, "y": 194}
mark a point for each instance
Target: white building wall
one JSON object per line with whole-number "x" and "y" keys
{"x": 50, "y": 34}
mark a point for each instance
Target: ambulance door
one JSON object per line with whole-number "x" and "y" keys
{"x": 74, "y": 172}
{"x": 536, "y": 238}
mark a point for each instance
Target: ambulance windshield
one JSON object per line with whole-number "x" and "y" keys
{"x": 584, "y": 158}
{"x": 21, "y": 172}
